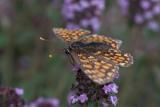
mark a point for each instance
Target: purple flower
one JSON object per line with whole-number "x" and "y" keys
{"x": 83, "y": 13}
{"x": 98, "y": 3}
{"x": 68, "y": 11}
{"x": 95, "y": 23}
{"x": 124, "y": 5}
{"x": 156, "y": 9}
{"x": 73, "y": 99}
{"x": 104, "y": 104}
{"x": 156, "y": 1}
{"x": 110, "y": 88}
{"x": 145, "y": 4}
{"x": 153, "y": 26}
{"x": 41, "y": 102}
{"x": 72, "y": 26}
{"x": 54, "y": 102}
{"x": 139, "y": 19}
{"x": 143, "y": 12}
{"x": 84, "y": 4}
{"x": 68, "y": 1}
{"x": 84, "y": 22}
{"x": 148, "y": 15}
{"x": 83, "y": 98}
{"x": 11, "y": 97}
{"x": 114, "y": 100}
{"x": 77, "y": 7}
{"x": 19, "y": 91}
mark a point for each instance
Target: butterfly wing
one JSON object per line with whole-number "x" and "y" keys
{"x": 121, "y": 59}
{"x": 113, "y": 43}
{"x": 69, "y": 36}
{"x": 96, "y": 69}
{"x": 114, "y": 54}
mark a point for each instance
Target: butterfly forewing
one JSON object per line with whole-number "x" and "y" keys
{"x": 69, "y": 36}
{"x": 97, "y": 69}
{"x": 113, "y": 43}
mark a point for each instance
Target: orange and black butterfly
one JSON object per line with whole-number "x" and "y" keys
{"x": 99, "y": 56}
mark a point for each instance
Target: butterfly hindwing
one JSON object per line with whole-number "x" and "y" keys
{"x": 97, "y": 69}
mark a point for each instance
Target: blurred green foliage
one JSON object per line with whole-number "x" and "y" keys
{"x": 25, "y": 62}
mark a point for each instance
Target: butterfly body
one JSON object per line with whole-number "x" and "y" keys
{"x": 99, "y": 56}
{"x": 91, "y": 47}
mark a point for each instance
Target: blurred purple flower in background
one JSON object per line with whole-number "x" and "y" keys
{"x": 124, "y": 4}
{"x": 153, "y": 25}
{"x": 6, "y": 13}
{"x": 72, "y": 26}
{"x": 83, "y": 13}
{"x": 42, "y": 102}
{"x": 145, "y": 4}
{"x": 142, "y": 12}
{"x": 10, "y": 97}
{"x": 138, "y": 19}
{"x": 19, "y": 91}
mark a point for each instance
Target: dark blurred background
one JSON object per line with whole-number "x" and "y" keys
{"x": 24, "y": 60}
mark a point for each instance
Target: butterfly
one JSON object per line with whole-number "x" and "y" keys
{"x": 98, "y": 56}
